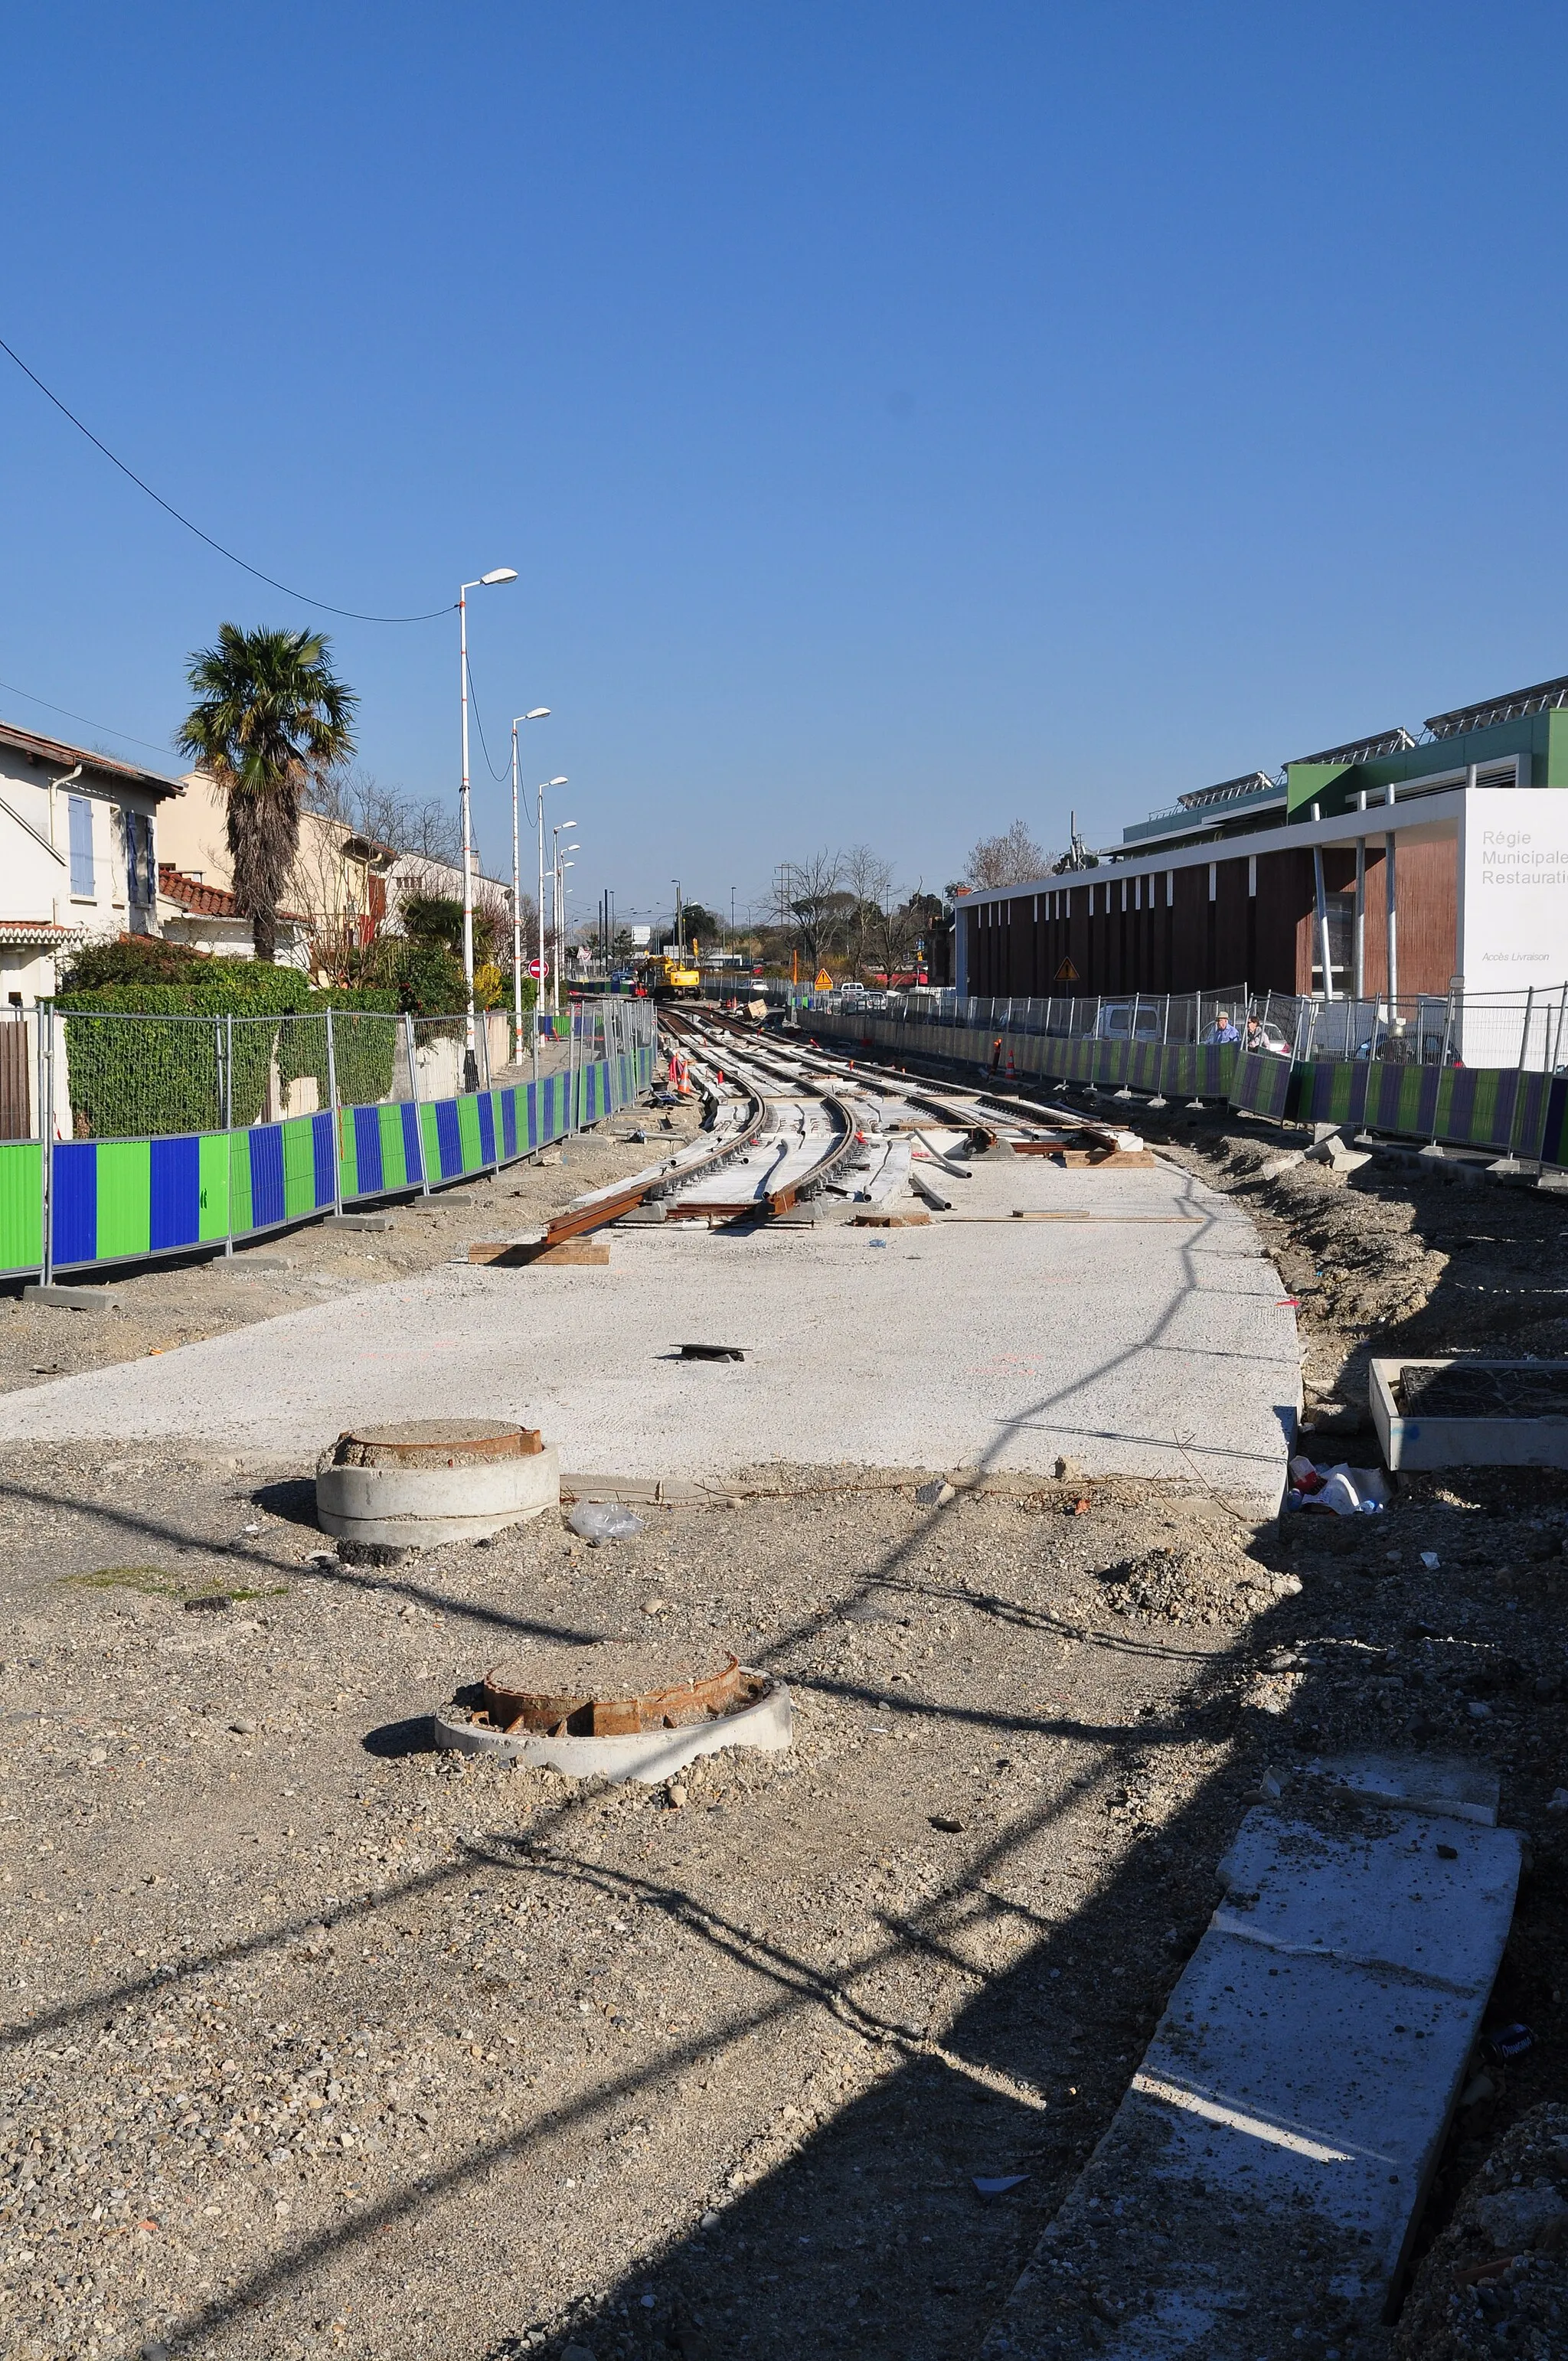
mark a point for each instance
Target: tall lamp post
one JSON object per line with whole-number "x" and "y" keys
{"x": 571, "y": 823}
{"x": 483, "y": 582}
{"x": 558, "y": 899}
{"x": 540, "y": 713}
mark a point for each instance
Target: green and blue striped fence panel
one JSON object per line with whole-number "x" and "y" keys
{"x": 1265, "y": 1085}
{"x": 1467, "y": 1106}
{"x": 1197, "y": 1070}
{"x": 125, "y": 1200}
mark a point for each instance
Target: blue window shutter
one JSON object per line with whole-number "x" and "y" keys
{"x": 149, "y": 862}
{"x": 81, "y": 877}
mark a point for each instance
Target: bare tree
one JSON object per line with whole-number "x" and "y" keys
{"x": 810, "y": 903}
{"x": 867, "y": 880}
{"x": 386, "y": 816}
{"x": 1010, "y": 859}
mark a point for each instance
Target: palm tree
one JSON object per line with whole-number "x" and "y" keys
{"x": 270, "y": 715}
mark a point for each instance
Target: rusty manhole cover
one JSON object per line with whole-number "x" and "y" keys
{"x": 610, "y": 1692}
{"x": 436, "y": 1443}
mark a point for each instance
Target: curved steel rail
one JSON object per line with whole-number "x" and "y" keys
{"x": 577, "y": 1220}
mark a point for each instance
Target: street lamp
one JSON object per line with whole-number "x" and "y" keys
{"x": 540, "y": 713}
{"x": 559, "y": 829}
{"x": 539, "y": 997}
{"x": 676, "y": 883}
{"x": 562, "y": 865}
{"x": 483, "y": 582}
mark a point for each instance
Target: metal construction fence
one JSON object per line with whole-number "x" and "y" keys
{"x": 1483, "y": 1070}
{"x": 158, "y": 1139}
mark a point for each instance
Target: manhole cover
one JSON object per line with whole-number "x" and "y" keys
{"x": 436, "y": 1443}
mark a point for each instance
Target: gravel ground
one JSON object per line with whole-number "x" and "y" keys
{"x": 1498, "y": 2276}
{"x": 321, "y": 2042}
{"x": 161, "y": 1305}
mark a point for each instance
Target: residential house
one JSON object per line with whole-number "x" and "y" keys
{"x": 78, "y": 854}
{"x": 343, "y": 887}
{"x": 208, "y": 919}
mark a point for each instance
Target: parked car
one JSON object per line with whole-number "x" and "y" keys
{"x": 1130, "y": 1020}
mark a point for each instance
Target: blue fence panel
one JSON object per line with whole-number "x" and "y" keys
{"x": 175, "y": 1208}
{"x": 73, "y": 1200}
{"x": 266, "y": 1175}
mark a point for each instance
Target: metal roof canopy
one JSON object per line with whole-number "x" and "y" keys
{"x": 1541, "y": 699}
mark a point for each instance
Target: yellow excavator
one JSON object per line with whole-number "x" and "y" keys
{"x": 668, "y": 977}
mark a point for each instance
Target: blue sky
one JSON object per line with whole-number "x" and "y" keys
{"x": 901, "y": 417}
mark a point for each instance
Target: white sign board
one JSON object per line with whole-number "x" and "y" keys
{"x": 640, "y": 938}
{"x": 1513, "y": 929}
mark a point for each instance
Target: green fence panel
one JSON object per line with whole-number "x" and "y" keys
{"x": 124, "y": 1199}
{"x": 468, "y": 1132}
{"x": 216, "y": 1158}
{"x": 299, "y": 1167}
{"x": 21, "y": 1205}
{"x": 395, "y": 1173}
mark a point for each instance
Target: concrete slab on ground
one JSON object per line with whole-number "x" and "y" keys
{"x": 1157, "y": 1347}
{"x": 1263, "y": 2176}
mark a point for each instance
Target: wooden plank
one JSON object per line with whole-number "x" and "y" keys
{"x": 497, "y": 1255}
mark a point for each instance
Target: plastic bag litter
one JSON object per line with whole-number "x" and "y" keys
{"x": 603, "y": 1520}
{"x": 1343, "y": 1490}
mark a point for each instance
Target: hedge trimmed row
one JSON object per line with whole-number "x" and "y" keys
{"x": 134, "y": 1077}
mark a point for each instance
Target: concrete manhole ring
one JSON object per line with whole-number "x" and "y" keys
{"x": 426, "y": 1481}
{"x": 597, "y": 1711}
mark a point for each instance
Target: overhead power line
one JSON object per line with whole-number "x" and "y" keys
{"x": 107, "y": 727}
{"x": 352, "y": 614}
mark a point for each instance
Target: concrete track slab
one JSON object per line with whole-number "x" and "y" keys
{"x": 1261, "y": 2180}
{"x": 1162, "y": 1349}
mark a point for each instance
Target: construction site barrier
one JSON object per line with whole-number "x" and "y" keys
{"x": 125, "y": 1200}
{"x": 1502, "y": 1110}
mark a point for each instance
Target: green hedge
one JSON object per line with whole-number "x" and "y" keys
{"x": 133, "y": 1077}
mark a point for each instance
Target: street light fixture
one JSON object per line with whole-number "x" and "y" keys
{"x": 481, "y": 582}
{"x": 558, "y": 904}
{"x": 539, "y": 713}
{"x": 539, "y": 997}
{"x": 556, "y": 900}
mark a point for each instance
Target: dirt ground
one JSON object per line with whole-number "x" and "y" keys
{"x": 323, "y": 2042}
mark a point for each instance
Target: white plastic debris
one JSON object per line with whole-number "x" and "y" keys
{"x": 1431, "y": 1560}
{"x": 1343, "y": 1490}
{"x": 603, "y": 1520}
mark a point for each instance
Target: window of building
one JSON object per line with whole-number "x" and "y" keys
{"x": 1213, "y": 881}
{"x": 141, "y": 876}
{"x": 1341, "y": 915}
{"x": 1171, "y": 889}
{"x": 83, "y": 883}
